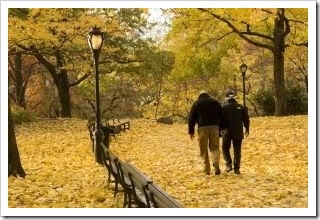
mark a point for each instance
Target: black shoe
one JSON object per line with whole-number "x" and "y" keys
{"x": 217, "y": 172}
{"x": 237, "y": 172}
{"x": 228, "y": 168}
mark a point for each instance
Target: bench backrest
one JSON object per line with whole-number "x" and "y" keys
{"x": 160, "y": 199}
{"x": 145, "y": 192}
{"x": 110, "y": 162}
{"x": 124, "y": 178}
{"x": 139, "y": 182}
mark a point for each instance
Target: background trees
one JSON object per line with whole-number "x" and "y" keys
{"x": 57, "y": 39}
{"x": 273, "y": 30}
{"x": 50, "y": 67}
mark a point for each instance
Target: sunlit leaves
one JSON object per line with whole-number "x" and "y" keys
{"x": 274, "y": 164}
{"x": 194, "y": 32}
{"x": 61, "y": 172}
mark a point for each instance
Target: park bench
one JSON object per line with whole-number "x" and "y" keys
{"x": 124, "y": 125}
{"x": 125, "y": 183}
{"x": 110, "y": 163}
{"x": 115, "y": 128}
{"x": 129, "y": 177}
{"x": 114, "y": 166}
{"x": 147, "y": 194}
{"x": 139, "y": 190}
{"x": 118, "y": 125}
{"x": 160, "y": 199}
{"x": 137, "y": 193}
{"x": 107, "y": 131}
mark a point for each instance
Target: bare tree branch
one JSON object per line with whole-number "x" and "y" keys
{"x": 217, "y": 39}
{"x": 297, "y": 21}
{"x": 302, "y": 69}
{"x": 249, "y": 32}
{"x": 286, "y": 21}
{"x": 241, "y": 34}
{"x": 305, "y": 44}
{"x": 76, "y": 82}
{"x": 121, "y": 61}
{"x": 267, "y": 11}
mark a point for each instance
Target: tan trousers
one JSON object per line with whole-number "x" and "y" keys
{"x": 209, "y": 137}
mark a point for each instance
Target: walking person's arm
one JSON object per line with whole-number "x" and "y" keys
{"x": 192, "y": 120}
{"x": 246, "y": 120}
{"x": 222, "y": 120}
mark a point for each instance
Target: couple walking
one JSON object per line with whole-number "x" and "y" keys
{"x": 213, "y": 121}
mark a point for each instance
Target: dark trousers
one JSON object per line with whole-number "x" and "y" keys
{"x": 226, "y": 144}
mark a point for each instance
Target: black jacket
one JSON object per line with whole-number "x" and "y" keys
{"x": 205, "y": 112}
{"x": 236, "y": 116}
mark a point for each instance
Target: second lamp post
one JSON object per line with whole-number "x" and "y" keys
{"x": 95, "y": 40}
{"x": 243, "y": 69}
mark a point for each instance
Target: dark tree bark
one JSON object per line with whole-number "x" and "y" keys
{"x": 20, "y": 79}
{"x": 280, "y": 29}
{"x": 60, "y": 77}
{"x": 61, "y": 80}
{"x": 14, "y": 162}
{"x": 20, "y": 89}
{"x": 64, "y": 94}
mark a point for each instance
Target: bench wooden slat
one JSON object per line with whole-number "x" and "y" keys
{"x": 125, "y": 183}
{"x": 139, "y": 182}
{"x": 110, "y": 163}
{"x": 120, "y": 125}
{"x": 138, "y": 188}
{"x": 160, "y": 199}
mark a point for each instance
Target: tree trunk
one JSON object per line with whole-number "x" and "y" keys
{"x": 64, "y": 94}
{"x": 158, "y": 98}
{"x": 61, "y": 81}
{"x": 279, "y": 87}
{"x": 20, "y": 89}
{"x": 14, "y": 162}
{"x": 306, "y": 82}
{"x": 278, "y": 65}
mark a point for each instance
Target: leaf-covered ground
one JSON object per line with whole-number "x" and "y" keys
{"x": 61, "y": 172}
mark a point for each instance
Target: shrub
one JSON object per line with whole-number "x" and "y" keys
{"x": 265, "y": 101}
{"x": 296, "y": 98}
{"x": 165, "y": 120}
{"x": 20, "y": 115}
{"x": 297, "y": 101}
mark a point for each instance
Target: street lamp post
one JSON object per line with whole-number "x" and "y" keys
{"x": 95, "y": 40}
{"x": 243, "y": 69}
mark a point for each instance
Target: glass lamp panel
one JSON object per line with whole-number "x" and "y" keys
{"x": 243, "y": 68}
{"x": 96, "y": 41}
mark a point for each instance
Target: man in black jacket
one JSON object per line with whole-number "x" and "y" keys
{"x": 207, "y": 113}
{"x": 236, "y": 116}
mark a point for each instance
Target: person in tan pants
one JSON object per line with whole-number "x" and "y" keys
{"x": 206, "y": 112}
{"x": 209, "y": 136}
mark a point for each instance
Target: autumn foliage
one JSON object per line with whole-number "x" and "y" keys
{"x": 61, "y": 171}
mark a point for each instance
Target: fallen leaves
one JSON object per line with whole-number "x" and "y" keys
{"x": 61, "y": 172}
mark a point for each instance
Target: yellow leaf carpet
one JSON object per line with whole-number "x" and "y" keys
{"x": 61, "y": 171}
